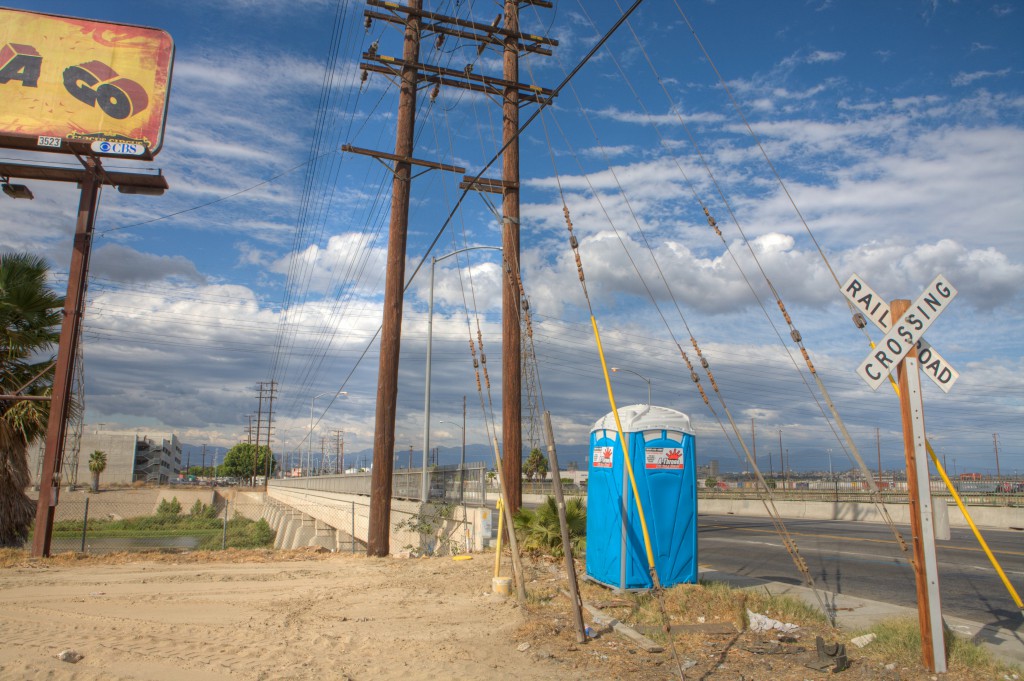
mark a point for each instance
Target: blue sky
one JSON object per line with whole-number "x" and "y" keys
{"x": 897, "y": 129}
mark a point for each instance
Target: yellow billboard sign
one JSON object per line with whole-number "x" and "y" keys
{"x": 70, "y": 84}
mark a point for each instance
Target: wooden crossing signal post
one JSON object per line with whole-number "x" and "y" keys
{"x": 905, "y": 325}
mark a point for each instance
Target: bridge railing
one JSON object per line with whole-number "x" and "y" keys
{"x": 451, "y": 484}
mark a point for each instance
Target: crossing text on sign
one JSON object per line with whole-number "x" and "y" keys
{"x": 906, "y": 332}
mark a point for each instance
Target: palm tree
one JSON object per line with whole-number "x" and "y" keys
{"x": 540, "y": 530}
{"x": 97, "y": 464}
{"x": 536, "y": 465}
{"x": 30, "y": 316}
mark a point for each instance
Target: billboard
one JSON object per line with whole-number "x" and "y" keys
{"x": 71, "y": 84}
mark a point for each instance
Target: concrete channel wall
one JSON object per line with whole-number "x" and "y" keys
{"x": 993, "y": 517}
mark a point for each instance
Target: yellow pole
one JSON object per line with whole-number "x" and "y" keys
{"x": 497, "y": 554}
{"x": 967, "y": 516}
{"x": 625, "y": 454}
{"x": 974, "y": 528}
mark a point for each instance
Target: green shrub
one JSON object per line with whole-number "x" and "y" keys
{"x": 172, "y": 507}
{"x": 201, "y": 510}
{"x": 242, "y": 534}
{"x": 539, "y": 530}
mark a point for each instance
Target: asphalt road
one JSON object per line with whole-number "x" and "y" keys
{"x": 864, "y": 560}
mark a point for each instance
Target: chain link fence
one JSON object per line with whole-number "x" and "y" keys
{"x": 158, "y": 519}
{"x": 206, "y": 519}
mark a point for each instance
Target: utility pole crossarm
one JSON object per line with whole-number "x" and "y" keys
{"x": 459, "y": 33}
{"x": 486, "y": 85}
{"x": 402, "y": 159}
{"x": 487, "y": 29}
{"x": 465, "y": 73}
{"x": 485, "y": 184}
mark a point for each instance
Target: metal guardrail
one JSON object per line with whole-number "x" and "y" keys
{"x": 444, "y": 483}
{"x": 839, "y": 494}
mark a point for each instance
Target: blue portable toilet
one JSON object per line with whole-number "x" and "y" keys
{"x": 662, "y": 451}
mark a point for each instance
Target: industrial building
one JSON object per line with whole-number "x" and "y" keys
{"x": 131, "y": 457}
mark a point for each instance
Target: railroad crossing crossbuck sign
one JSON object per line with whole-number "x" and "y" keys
{"x": 906, "y": 333}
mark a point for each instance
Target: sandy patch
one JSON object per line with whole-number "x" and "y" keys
{"x": 342, "y": 617}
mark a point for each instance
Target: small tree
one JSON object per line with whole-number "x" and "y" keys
{"x": 536, "y": 465}
{"x": 711, "y": 483}
{"x": 97, "y": 464}
{"x": 244, "y": 459}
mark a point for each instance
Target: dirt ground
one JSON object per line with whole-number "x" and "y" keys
{"x": 303, "y": 615}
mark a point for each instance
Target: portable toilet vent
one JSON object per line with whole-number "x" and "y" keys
{"x": 662, "y": 451}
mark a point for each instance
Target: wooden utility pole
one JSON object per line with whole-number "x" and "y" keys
{"x": 410, "y": 71}
{"x": 921, "y": 524}
{"x": 269, "y": 461}
{"x": 753, "y": 440}
{"x": 782, "y": 461}
{"x": 878, "y": 445}
{"x": 259, "y": 423}
{"x": 511, "y": 356}
{"x": 995, "y": 445}
{"x": 378, "y": 535}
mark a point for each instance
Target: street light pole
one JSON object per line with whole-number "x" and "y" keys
{"x": 430, "y": 341}
{"x": 647, "y": 380}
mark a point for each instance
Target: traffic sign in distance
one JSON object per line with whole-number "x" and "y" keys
{"x": 874, "y": 307}
{"x": 906, "y": 332}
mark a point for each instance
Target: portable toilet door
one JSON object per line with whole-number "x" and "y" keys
{"x": 606, "y": 528}
{"x": 662, "y": 451}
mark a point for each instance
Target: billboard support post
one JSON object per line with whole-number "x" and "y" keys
{"x": 90, "y": 179}
{"x": 74, "y": 307}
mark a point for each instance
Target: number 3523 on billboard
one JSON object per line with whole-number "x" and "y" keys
{"x": 69, "y": 83}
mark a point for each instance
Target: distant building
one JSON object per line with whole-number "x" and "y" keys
{"x": 130, "y": 458}
{"x": 710, "y": 470}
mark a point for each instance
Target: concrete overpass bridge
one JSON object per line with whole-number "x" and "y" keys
{"x": 333, "y": 511}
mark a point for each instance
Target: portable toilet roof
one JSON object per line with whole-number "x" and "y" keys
{"x": 641, "y": 417}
